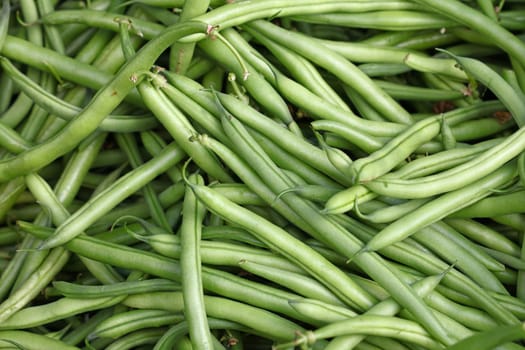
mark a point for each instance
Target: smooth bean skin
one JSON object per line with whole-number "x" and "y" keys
{"x": 335, "y": 63}
{"x": 377, "y": 325}
{"x": 485, "y": 26}
{"x": 100, "y": 106}
{"x": 193, "y": 213}
{"x": 440, "y": 207}
{"x": 456, "y": 177}
{"x": 267, "y": 323}
{"x": 491, "y": 338}
{"x": 31, "y": 341}
{"x": 125, "y": 322}
{"x": 35, "y": 316}
{"x": 329, "y": 231}
{"x": 274, "y": 237}
{"x": 112, "y": 196}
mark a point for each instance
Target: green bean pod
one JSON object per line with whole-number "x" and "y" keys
{"x": 489, "y": 339}
{"x": 389, "y": 326}
{"x": 35, "y": 316}
{"x": 31, "y": 341}
{"x": 72, "y": 290}
{"x": 441, "y": 207}
{"x": 299, "y": 283}
{"x": 452, "y": 179}
{"x": 123, "y": 323}
{"x": 495, "y": 83}
{"x": 395, "y": 151}
{"x": 139, "y": 176}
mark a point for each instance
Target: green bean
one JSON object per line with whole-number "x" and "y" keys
{"x": 113, "y": 195}
{"x": 198, "y": 113}
{"x": 391, "y": 213}
{"x": 388, "y": 20}
{"x": 229, "y": 17}
{"x": 455, "y": 177}
{"x": 375, "y": 325}
{"x": 440, "y": 207}
{"x": 257, "y": 87}
{"x": 52, "y": 34}
{"x": 334, "y": 63}
{"x": 68, "y": 68}
{"x": 330, "y": 229}
{"x": 481, "y": 24}
{"x": 180, "y": 129}
{"x": 228, "y": 233}
{"x": 239, "y": 193}
{"x": 467, "y": 316}
{"x": 215, "y": 281}
{"x": 301, "y": 69}
{"x": 79, "y": 333}
{"x": 133, "y": 340}
{"x": 292, "y": 143}
{"x": 4, "y": 21}
{"x": 474, "y": 249}
{"x": 480, "y": 129}
{"x": 509, "y": 260}
{"x": 520, "y": 284}
{"x": 301, "y": 254}
{"x": 103, "y": 20}
{"x": 29, "y": 279}
{"x": 296, "y": 282}
{"x": 493, "y": 206}
{"x": 34, "y": 316}
{"x": 395, "y": 151}
{"x": 495, "y": 83}
{"x": 122, "y": 323}
{"x": 491, "y": 338}
{"x": 154, "y": 145}
{"x": 437, "y": 241}
{"x": 176, "y": 332}
{"x": 10, "y": 273}
{"x": 300, "y": 170}
{"x": 387, "y": 307}
{"x": 181, "y": 54}
{"x": 106, "y": 99}
{"x": 426, "y": 263}
{"x": 190, "y": 259}
{"x": 403, "y": 92}
{"x": 266, "y": 323}
{"x": 219, "y": 253}
{"x": 129, "y": 145}
{"x": 59, "y": 214}
{"x": 447, "y": 67}
{"x": 72, "y": 290}
{"x": 31, "y": 341}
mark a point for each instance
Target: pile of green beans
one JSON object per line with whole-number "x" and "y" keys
{"x": 272, "y": 174}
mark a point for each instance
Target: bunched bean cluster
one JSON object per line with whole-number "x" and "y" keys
{"x": 271, "y": 174}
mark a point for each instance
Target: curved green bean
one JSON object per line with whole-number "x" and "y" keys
{"x": 438, "y": 208}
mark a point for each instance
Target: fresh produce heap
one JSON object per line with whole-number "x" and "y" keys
{"x": 314, "y": 174}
